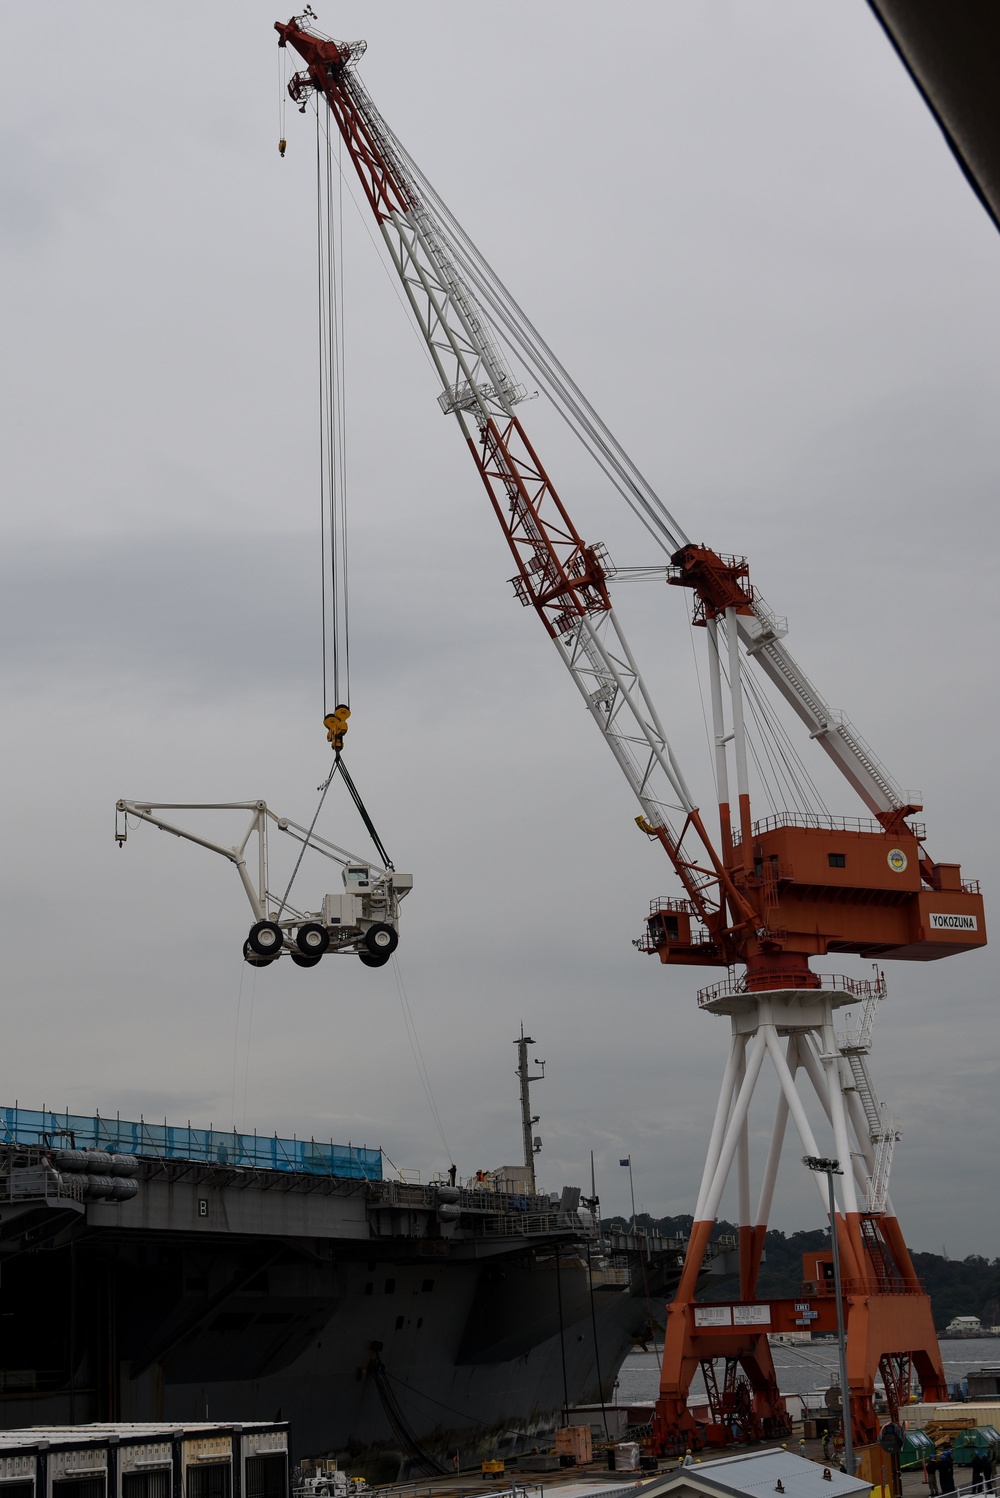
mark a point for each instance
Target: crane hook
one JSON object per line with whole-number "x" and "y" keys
{"x": 335, "y": 724}
{"x": 281, "y": 147}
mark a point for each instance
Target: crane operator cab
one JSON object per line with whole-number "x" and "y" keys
{"x": 365, "y": 916}
{"x": 363, "y": 919}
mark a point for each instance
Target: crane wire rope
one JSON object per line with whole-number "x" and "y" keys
{"x": 761, "y": 744}
{"x": 519, "y": 335}
{"x": 391, "y": 275}
{"x": 782, "y": 735}
{"x": 282, "y": 96}
{"x": 246, "y": 1070}
{"x": 335, "y": 612}
{"x": 704, "y": 713}
{"x": 307, "y": 840}
{"x": 513, "y": 326}
{"x": 236, "y": 1037}
{"x": 418, "y": 1054}
{"x": 770, "y": 791}
{"x": 784, "y": 762}
{"x": 334, "y": 595}
{"x": 787, "y": 767}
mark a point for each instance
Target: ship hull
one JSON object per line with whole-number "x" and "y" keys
{"x": 389, "y": 1336}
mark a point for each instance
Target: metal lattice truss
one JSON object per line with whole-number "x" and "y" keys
{"x": 597, "y": 655}
{"x": 472, "y": 373}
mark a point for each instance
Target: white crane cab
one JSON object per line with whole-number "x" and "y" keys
{"x": 366, "y": 916}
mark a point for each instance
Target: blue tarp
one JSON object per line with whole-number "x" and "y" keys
{"x": 208, "y": 1146}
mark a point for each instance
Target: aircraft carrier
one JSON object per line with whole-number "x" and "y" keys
{"x": 158, "y": 1273}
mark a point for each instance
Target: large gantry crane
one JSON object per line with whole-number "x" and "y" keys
{"x": 766, "y": 897}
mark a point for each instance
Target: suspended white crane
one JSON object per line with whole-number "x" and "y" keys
{"x": 361, "y": 916}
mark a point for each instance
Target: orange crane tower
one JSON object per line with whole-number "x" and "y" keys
{"x": 763, "y": 900}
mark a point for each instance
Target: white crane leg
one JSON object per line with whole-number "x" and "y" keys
{"x": 777, "y": 1138}
{"x": 795, "y": 1107}
{"x": 743, "y": 1164}
{"x": 737, "y": 1050}
{"x": 758, "y": 1047}
{"x": 834, "y": 1082}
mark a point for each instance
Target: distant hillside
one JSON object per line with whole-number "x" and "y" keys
{"x": 957, "y": 1287}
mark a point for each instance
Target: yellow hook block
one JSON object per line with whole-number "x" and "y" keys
{"x": 335, "y": 724}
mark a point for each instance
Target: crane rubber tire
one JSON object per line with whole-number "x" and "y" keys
{"x": 254, "y": 959}
{"x": 381, "y": 940}
{"x": 371, "y": 960}
{"x": 312, "y": 939}
{"x": 304, "y": 959}
{"x": 266, "y": 938}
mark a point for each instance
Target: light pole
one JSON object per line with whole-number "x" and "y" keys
{"x": 831, "y": 1168}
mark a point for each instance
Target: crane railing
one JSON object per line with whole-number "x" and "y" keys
{"x": 821, "y": 821}
{"x": 733, "y": 986}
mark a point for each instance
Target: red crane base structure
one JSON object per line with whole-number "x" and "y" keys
{"x": 887, "y": 1313}
{"x": 747, "y": 1404}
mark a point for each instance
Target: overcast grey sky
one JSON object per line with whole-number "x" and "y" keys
{"x": 740, "y": 230}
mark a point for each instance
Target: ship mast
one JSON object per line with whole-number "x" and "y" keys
{"x": 532, "y": 1143}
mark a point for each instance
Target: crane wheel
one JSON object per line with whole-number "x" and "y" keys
{"x": 266, "y": 938}
{"x": 381, "y": 940}
{"x": 312, "y": 939}
{"x": 304, "y": 959}
{"x": 254, "y": 958}
{"x": 374, "y": 959}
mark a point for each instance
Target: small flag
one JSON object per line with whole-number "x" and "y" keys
{"x": 627, "y": 1160}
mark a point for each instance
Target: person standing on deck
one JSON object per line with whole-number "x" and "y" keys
{"x": 946, "y": 1470}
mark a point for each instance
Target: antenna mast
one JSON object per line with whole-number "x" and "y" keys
{"x": 532, "y": 1143}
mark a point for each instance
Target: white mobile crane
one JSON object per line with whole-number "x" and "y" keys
{"x": 361, "y": 918}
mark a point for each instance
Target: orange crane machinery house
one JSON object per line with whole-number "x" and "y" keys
{"x": 761, "y": 899}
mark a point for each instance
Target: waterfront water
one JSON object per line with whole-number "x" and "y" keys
{"x": 804, "y": 1366}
